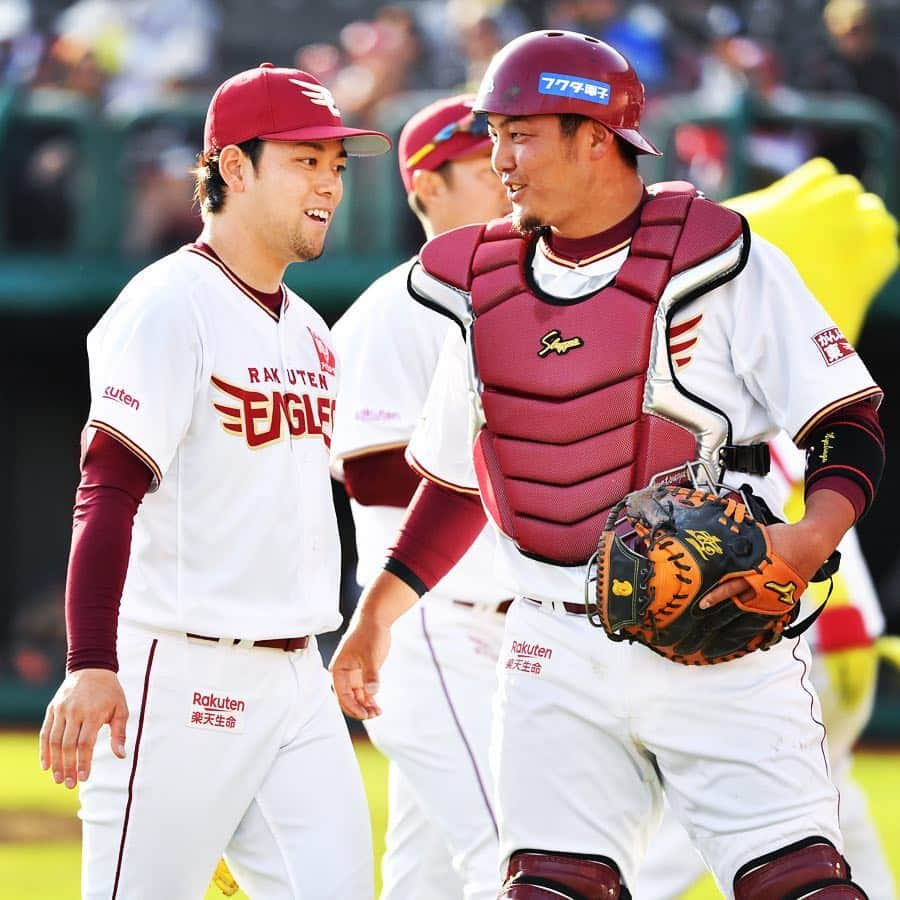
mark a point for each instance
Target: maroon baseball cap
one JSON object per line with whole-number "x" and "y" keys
{"x": 282, "y": 105}
{"x": 444, "y": 130}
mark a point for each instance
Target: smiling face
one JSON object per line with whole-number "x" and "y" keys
{"x": 291, "y": 194}
{"x": 568, "y": 173}
{"x": 546, "y": 173}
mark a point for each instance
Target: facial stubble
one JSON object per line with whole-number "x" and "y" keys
{"x": 305, "y": 250}
{"x": 527, "y": 226}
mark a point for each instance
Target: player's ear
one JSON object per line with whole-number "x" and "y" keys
{"x": 233, "y": 167}
{"x": 427, "y": 186}
{"x": 602, "y": 140}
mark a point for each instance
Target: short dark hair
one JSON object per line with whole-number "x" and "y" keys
{"x": 210, "y": 189}
{"x": 569, "y": 123}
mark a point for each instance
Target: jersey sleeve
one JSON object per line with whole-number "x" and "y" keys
{"x": 787, "y": 350}
{"x": 388, "y": 346}
{"x": 441, "y": 445}
{"x": 145, "y": 358}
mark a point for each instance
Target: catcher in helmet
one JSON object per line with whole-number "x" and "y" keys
{"x": 612, "y": 336}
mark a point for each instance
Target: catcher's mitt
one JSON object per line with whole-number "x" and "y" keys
{"x": 663, "y": 549}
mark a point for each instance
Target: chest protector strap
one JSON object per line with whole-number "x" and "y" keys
{"x": 575, "y": 401}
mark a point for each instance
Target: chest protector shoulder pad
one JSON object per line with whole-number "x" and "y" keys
{"x": 562, "y": 386}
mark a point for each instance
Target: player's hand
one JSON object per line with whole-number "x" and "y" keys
{"x": 224, "y": 880}
{"x": 84, "y": 702}
{"x": 795, "y": 544}
{"x": 355, "y": 666}
{"x": 803, "y": 545}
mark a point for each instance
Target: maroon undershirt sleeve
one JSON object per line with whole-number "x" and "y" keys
{"x": 844, "y": 486}
{"x": 381, "y": 478}
{"x": 113, "y": 484}
{"x": 440, "y": 525}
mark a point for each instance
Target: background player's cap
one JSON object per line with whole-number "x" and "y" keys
{"x": 444, "y": 130}
{"x": 278, "y": 104}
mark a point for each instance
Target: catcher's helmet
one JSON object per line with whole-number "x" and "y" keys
{"x": 565, "y": 72}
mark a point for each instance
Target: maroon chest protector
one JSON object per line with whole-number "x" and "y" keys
{"x": 565, "y": 432}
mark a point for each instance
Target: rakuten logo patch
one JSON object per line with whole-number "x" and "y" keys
{"x": 120, "y": 395}
{"x": 528, "y": 658}
{"x": 216, "y": 712}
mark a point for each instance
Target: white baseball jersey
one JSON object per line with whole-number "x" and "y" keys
{"x": 230, "y": 747}
{"x": 230, "y": 407}
{"x": 392, "y": 345}
{"x": 759, "y": 348}
{"x": 437, "y": 682}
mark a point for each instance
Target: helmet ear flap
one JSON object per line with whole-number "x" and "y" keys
{"x": 560, "y": 72}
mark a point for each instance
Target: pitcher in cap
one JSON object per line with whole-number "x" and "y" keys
{"x": 196, "y": 712}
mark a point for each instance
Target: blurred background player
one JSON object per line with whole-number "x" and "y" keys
{"x": 205, "y": 507}
{"x": 442, "y": 838}
{"x": 844, "y": 244}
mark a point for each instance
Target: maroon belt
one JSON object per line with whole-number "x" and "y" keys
{"x": 501, "y": 607}
{"x": 286, "y": 644}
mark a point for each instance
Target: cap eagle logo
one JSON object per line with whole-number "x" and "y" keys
{"x": 318, "y": 94}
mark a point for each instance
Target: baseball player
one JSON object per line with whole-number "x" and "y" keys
{"x": 442, "y": 838}
{"x": 606, "y": 334}
{"x": 844, "y": 641}
{"x": 205, "y": 504}
{"x": 845, "y": 259}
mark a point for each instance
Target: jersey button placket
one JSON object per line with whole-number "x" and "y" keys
{"x": 283, "y": 369}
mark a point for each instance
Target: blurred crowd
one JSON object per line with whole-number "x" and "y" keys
{"x": 149, "y": 67}
{"x": 121, "y": 60}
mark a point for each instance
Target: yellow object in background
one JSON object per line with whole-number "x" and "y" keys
{"x": 224, "y": 880}
{"x": 852, "y": 669}
{"x": 851, "y": 675}
{"x": 841, "y": 239}
{"x": 888, "y": 648}
{"x": 844, "y": 244}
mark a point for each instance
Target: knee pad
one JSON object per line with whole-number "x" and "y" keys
{"x": 811, "y": 869}
{"x": 542, "y": 875}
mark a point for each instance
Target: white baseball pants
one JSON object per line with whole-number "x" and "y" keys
{"x": 230, "y": 749}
